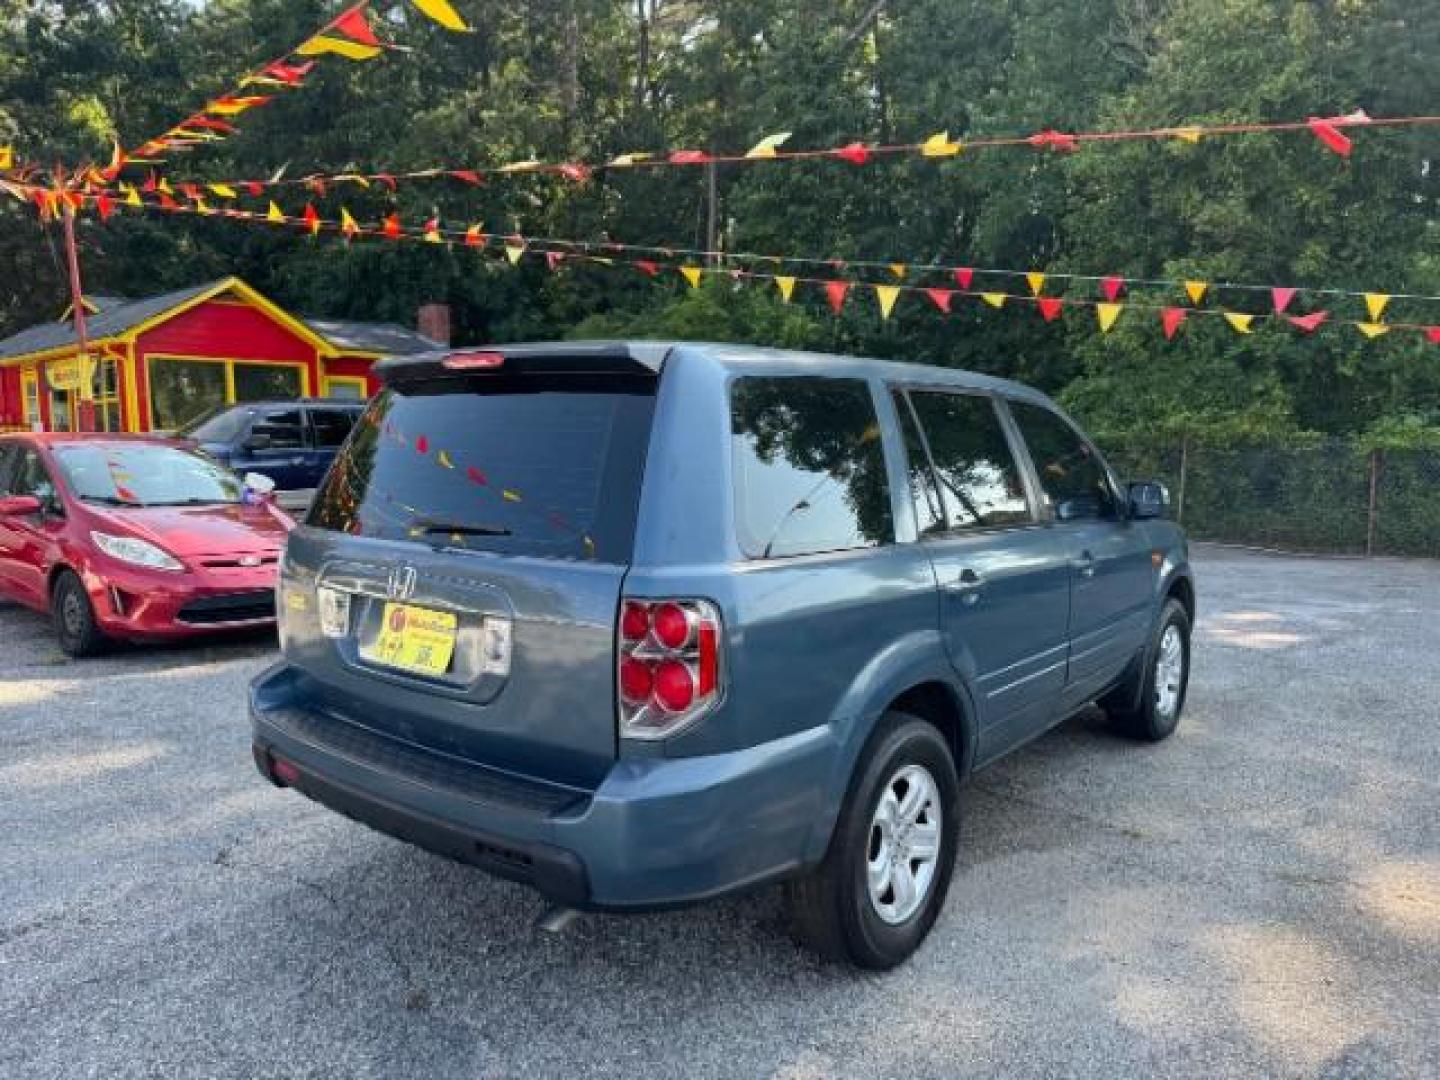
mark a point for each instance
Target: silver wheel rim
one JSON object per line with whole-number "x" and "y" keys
{"x": 903, "y": 848}
{"x": 1169, "y": 672}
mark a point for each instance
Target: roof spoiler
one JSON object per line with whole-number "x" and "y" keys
{"x": 558, "y": 358}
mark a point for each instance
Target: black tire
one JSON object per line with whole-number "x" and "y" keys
{"x": 74, "y": 617}
{"x": 1136, "y": 711}
{"x": 831, "y": 909}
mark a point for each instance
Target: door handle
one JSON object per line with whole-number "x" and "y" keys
{"x": 1085, "y": 565}
{"x": 966, "y": 586}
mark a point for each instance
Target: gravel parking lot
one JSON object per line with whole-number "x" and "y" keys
{"x": 1259, "y": 895}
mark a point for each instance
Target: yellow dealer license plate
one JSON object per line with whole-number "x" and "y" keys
{"x": 414, "y": 639}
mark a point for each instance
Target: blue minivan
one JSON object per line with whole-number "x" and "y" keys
{"x": 645, "y": 624}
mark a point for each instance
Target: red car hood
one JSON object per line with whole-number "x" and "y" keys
{"x": 205, "y": 530}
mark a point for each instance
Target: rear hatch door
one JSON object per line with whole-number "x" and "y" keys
{"x": 479, "y": 525}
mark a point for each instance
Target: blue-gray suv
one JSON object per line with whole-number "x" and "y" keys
{"x": 644, "y": 624}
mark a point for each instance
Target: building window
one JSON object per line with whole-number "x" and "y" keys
{"x": 30, "y": 390}
{"x": 183, "y": 390}
{"x": 346, "y": 387}
{"x": 107, "y": 396}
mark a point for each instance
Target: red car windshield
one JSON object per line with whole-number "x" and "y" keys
{"x": 136, "y": 474}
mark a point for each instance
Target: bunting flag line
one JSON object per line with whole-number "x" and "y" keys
{"x": 348, "y": 35}
{"x": 768, "y": 149}
{"x": 516, "y": 247}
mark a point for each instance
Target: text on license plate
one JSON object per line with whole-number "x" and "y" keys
{"x": 414, "y": 639}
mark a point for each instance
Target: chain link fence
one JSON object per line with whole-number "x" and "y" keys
{"x": 1333, "y": 497}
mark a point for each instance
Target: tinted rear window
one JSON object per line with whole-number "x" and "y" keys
{"x": 531, "y": 466}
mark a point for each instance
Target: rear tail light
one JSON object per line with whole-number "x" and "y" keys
{"x": 669, "y": 665}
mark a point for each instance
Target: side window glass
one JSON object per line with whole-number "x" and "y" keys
{"x": 7, "y": 462}
{"x": 979, "y": 480}
{"x": 285, "y": 430}
{"x": 809, "y": 466}
{"x": 924, "y": 492}
{"x": 1072, "y": 476}
{"x": 32, "y": 478}
{"x": 331, "y": 426}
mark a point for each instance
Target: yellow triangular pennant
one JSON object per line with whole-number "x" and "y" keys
{"x": 132, "y": 196}
{"x": 274, "y": 213}
{"x": 225, "y": 191}
{"x": 7, "y": 157}
{"x": 630, "y": 159}
{"x": 1239, "y": 321}
{"x": 692, "y": 275}
{"x": 939, "y": 145}
{"x": 887, "y": 295}
{"x": 1375, "y": 304}
{"x": 898, "y": 270}
{"x": 443, "y": 13}
{"x": 1107, "y": 314}
{"x": 348, "y": 225}
{"x": 529, "y": 165}
{"x": 321, "y": 44}
{"x": 1036, "y": 281}
{"x": 1372, "y": 329}
{"x": 443, "y": 459}
{"x": 765, "y": 148}
{"x": 164, "y": 187}
{"x": 994, "y": 299}
{"x": 1196, "y": 290}
{"x": 513, "y": 252}
{"x": 1189, "y": 134}
{"x": 786, "y": 285}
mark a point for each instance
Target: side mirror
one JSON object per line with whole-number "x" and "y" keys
{"x": 258, "y": 442}
{"x": 20, "y": 506}
{"x": 1148, "y": 499}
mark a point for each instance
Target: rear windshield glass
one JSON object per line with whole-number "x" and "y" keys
{"x": 530, "y": 466}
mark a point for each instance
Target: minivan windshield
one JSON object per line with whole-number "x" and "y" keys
{"x": 222, "y": 425}
{"x": 141, "y": 474}
{"x": 527, "y": 465}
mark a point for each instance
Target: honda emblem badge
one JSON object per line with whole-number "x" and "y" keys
{"x": 401, "y": 585}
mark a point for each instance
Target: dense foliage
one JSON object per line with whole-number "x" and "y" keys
{"x": 590, "y": 78}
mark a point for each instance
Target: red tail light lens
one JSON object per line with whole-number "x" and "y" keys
{"x": 670, "y": 667}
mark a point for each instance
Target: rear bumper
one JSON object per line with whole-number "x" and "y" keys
{"x": 655, "y": 833}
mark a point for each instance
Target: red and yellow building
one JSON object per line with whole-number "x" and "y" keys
{"x": 159, "y": 362}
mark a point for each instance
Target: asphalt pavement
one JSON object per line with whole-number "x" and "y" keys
{"x": 1258, "y": 896}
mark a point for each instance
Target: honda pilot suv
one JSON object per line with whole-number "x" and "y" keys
{"x": 643, "y": 624}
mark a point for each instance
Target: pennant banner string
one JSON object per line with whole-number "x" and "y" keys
{"x": 857, "y": 153}
{"x": 515, "y": 248}
{"x": 1110, "y": 284}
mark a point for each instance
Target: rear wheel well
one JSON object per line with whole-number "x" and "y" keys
{"x": 1181, "y": 589}
{"x": 935, "y": 703}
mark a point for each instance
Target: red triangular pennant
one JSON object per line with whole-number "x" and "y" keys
{"x": 553, "y": 259}
{"x": 391, "y": 226}
{"x": 1049, "y": 307}
{"x": 941, "y": 298}
{"x": 689, "y": 157}
{"x": 1330, "y": 135}
{"x": 964, "y": 276}
{"x": 835, "y": 293}
{"x": 1171, "y": 318}
{"x": 312, "y": 219}
{"x": 1056, "y": 139}
{"x": 1282, "y": 297}
{"x": 470, "y": 176}
{"x": 1433, "y": 333}
{"x": 646, "y": 267}
{"x": 255, "y": 188}
{"x": 1308, "y": 323}
{"x": 855, "y": 153}
{"x": 1112, "y": 286}
{"x": 353, "y": 24}
{"x": 105, "y": 205}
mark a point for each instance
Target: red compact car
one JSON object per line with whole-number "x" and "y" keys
{"x": 133, "y": 537}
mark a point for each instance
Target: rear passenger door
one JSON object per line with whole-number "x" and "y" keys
{"x": 1112, "y": 576}
{"x": 1004, "y": 582}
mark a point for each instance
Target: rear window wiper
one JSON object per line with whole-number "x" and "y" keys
{"x": 458, "y": 529}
